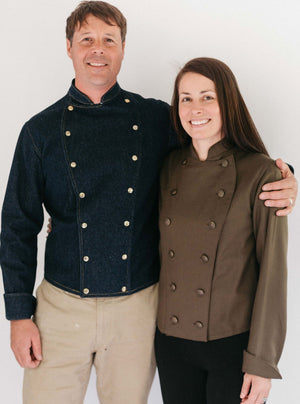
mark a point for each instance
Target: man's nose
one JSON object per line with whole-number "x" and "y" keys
{"x": 98, "y": 48}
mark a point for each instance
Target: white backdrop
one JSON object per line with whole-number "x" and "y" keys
{"x": 259, "y": 40}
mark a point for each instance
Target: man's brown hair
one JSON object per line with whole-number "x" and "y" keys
{"x": 100, "y": 9}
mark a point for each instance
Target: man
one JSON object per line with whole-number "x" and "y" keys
{"x": 92, "y": 159}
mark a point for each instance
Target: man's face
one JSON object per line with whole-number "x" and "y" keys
{"x": 97, "y": 52}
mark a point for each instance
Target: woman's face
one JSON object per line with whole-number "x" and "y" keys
{"x": 198, "y": 108}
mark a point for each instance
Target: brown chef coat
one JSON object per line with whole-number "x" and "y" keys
{"x": 223, "y": 253}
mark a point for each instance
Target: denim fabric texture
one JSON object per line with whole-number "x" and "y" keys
{"x": 95, "y": 169}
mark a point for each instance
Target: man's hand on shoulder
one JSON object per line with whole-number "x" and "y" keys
{"x": 26, "y": 343}
{"x": 283, "y": 193}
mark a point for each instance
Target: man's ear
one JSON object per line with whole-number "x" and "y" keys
{"x": 69, "y": 46}
{"x": 123, "y": 48}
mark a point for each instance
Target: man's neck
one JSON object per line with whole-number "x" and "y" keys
{"x": 94, "y": 93}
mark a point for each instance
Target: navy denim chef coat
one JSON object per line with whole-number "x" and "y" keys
{"x": 95, "y": 168}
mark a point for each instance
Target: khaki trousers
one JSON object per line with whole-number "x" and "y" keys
{"x": 115, "y": 334}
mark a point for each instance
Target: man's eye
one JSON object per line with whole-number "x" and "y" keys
{"x": 87, "y": 39}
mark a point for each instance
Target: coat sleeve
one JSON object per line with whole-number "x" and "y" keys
{"x": 268, "y": 322}
{"x": 22, "y": 220}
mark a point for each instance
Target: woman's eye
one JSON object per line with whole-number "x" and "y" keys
{"x": 208, "y": 98}
{"x": 185, "y": 99}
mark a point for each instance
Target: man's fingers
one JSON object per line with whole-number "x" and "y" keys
{"x": 36, "y": 348}
{"x": 283, "y": 167}
{"x": 287, "y": 183}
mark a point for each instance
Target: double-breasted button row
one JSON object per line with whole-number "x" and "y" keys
{"x": 175, "y": 320}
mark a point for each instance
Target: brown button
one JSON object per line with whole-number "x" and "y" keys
{"x": 221, "y": 193}
{"x": 173, "y": 287}
{"x": 174, "y": 320}
{"x": 184, "y": 162}
{"x": 200, "y": 292}
{"x": 167, "y": 221}
{"x": 171, "y": 254}
{"x": 204, "y": 258}
{"x": 225, "y": 163}
{"x": 198, "y": 324}
{"x": 212, "y": 225}
{"x": 174, "y": 192}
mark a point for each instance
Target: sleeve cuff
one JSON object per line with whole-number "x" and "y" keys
{"x": 19, "y": 306}
{"x": 259, "y": 367}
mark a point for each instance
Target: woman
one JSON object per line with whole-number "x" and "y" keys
{"x": 222, "y": 310}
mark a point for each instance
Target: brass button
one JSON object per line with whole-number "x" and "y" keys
{"x": 73, "y": 164}
{"x": 221, "y": 193}
{"x": 174, "y": 320}
{"x": 124, "y": 289}
{"x": 212, "y": 225}
{"x": 198, "y": 324}
{"x": 167, "y": 221}
{"x": 173, "y": 287}
{"x": 225, "y": 163}
{"x": 135, "y": 127}
{"x": 126, "y": 223}
{"x": 124, "y": 257}
{"x": 127, "y": 100}
{"x": 205, "y": 258}
{"x": 86, "y": 291}
{"x": 86, "y": 258}
{"x": 84, "y": 225}
{"x": 200, "y": 292}
{"x": 174, "y": 192}
{"x": 134, "y": 157}
{"x": 130, "y": 190}
{"x": 82, "y": 195}
{"x": 70, "y": 108}
{"x": 184, "y": 162}
{"x": 171, "y": 254}
{"x": 68, "y": 133}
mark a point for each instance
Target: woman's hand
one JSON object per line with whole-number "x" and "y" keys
{"x": 283, "y": 193}
{"x": 255, "y": 389}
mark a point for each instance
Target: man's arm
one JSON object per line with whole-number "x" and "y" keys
{"x": 283, "y": 193}
{"x": 22, "y": 220}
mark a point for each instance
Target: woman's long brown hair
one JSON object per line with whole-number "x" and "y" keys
{"x": 237, "y": 125}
